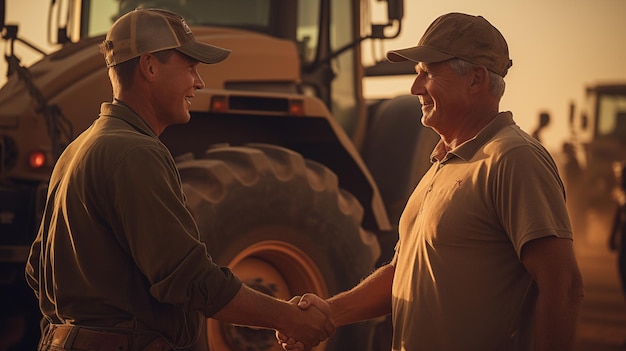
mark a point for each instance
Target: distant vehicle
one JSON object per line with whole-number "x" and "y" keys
{"x": 596, "y": 142}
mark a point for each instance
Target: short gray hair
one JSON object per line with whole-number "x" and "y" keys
{"x": 496, "y": 82}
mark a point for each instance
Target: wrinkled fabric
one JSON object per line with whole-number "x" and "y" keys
{"x": 117, "y": 246}
{"x": 459, "y": 282}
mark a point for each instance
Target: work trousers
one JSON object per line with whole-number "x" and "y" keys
{"x": 76, "y": 338}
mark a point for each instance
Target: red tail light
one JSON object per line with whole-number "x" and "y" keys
{"x": 37, "y": 159}
{"x": 219, "y": 104}
{"x": 296, "y": 107}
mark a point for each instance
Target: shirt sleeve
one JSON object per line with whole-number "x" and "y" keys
{"x": 32, "y": 265}
{"x": 530, "y": 196}
{"x": 161, "y": 235}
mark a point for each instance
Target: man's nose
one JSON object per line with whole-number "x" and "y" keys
{"x": 199, "y": 83}
{"x": 418, "y": 87}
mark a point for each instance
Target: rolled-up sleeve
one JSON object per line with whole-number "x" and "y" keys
{"x": 162, "y": 237}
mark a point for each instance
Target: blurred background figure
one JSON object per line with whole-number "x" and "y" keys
{"x": 544, "y": 120}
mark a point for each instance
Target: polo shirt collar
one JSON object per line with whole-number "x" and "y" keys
{"x": 118, "y": 109}
{"x": 467, "y": 150}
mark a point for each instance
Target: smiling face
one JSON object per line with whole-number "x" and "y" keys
{"x": 444, "y": 96}
{"x": 177, "y": 82}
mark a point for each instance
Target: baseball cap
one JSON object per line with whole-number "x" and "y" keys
{"x": 459, "y": 35}
{"x": 144, "y": 31}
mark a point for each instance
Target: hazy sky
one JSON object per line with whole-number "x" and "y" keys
{"x": 557, "y": 47}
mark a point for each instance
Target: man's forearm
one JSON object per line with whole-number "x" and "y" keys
{"x": 255, "y": 309}
{"x": 556, "y": 318}
{"x": 369, "y": 299}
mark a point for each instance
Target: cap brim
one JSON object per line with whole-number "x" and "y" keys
{"x": 418, "y": 54}
{"x": 204, "y": 52}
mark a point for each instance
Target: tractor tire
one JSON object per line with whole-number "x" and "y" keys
{"x": 284, "y": 227}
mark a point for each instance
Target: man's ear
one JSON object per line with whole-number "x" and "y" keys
{"x": 479, "y": 79}
{"x": 147, "y": 67}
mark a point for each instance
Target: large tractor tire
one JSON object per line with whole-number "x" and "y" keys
{"x": 284, "y": 227}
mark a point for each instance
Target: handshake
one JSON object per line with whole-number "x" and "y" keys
{"x": 313, "y": 324}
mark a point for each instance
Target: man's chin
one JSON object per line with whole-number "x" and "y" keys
{"x": 426, "y": 119}
{"x": 183, "y": 119}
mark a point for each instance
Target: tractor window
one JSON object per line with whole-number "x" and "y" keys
{"x": 266, "y": 16}
{"x": 247, "y": 14}
{"x": 100, "y": 15}
{"x": 345, "y": 92}
{"x": 308, "y": 29}
{"x": 612, "y": 116}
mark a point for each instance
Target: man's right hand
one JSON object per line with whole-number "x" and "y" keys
{"x": 319, "y": 315}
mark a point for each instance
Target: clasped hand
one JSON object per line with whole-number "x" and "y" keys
{"x": 316, "y": 312}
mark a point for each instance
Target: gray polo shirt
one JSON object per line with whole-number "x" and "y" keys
{"x": 117, "y": 246}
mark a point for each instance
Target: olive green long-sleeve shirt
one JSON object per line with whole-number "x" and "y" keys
{"x": 117, "y": 245}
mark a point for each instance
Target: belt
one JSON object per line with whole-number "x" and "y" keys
{"x": 72, "y": 337}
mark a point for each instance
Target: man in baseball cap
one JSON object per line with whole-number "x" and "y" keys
{"x": 484, "y": 259}
{"x": 117, "y": 263}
